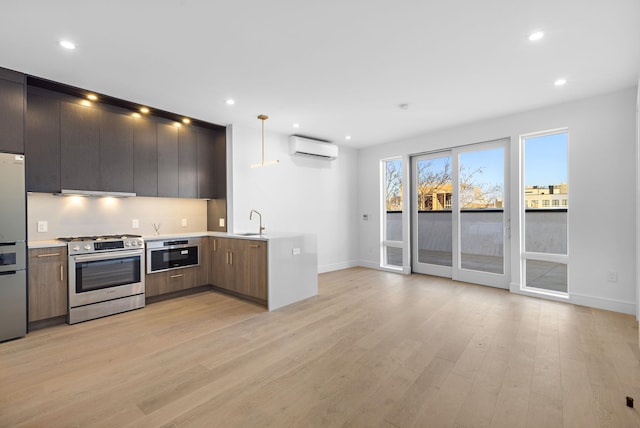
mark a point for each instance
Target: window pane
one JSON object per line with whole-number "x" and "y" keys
{"x": 393, "y": 199}
{"x": 481, "y": 180}
{"x": 546, "y": 193}
{"x": 546, "y": 275}
{"x": 434, "y": 196}
{"x": 394, "y": 256}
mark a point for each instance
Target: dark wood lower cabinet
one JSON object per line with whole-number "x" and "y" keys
{"x": 180, "y": 279}
{"x": 240, "y": 266}
{"x": 47, "y": 283}
{"x": 170, "y": 281}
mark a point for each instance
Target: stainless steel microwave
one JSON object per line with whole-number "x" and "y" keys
{"x": 172, "y": 254}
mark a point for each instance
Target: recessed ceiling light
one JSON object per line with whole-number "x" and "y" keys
{"x": 560, "y": 82}
{"x": 186, "y": 120}
{"x": 92, "y": 97}
{"x": 296, "y": 125}
{"x": 144, "y": 110}
{"x": 536, "y": 36}
{"x": 230, "y": 102}
{"x": 347, "y": 137}
{"x": 67, "y": 44}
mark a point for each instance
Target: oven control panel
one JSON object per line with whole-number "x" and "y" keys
{"x": 100, "y": 246}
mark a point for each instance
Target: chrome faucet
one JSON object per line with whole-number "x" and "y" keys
{"x": 251, "y": 215}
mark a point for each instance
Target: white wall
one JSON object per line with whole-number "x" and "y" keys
{"x": 296, "y": 195}
{"x": 79, "y": 216}
{"x": 638, "y": 207}
{"x": 602, "y": 225}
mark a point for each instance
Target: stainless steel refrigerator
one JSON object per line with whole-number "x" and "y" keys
{"x": 13, "y": 247}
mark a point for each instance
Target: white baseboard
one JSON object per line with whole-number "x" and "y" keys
{"x": 360, "y": 263}
{"x": 582, "y": 300}
{"x": 368, "y": 264}
{"x": 603, "y": 303}
{"x": 338, "y": 266}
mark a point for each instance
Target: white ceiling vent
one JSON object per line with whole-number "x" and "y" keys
{"x": 304, "y": 146}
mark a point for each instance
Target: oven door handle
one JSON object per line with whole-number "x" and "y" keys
{"x": 107, "y": 256}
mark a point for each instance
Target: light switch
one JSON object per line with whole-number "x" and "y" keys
{"x": 43, "y": 226}
{"x": 135, "y": 223}
{"x": 221, "y": 222}
{"x": 184, "y": 222}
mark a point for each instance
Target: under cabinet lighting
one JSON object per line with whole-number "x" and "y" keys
{"x": 92, "y": 97}
{"x": 186, "y": 120}
{"x": 135, "y": 115}
{"x": 560, "y": 82}
{"x": 144, "y": 110}
{"x": 177, "y": 124}
{"x": 230, "y": 102}
{"x": 86, "y": 103}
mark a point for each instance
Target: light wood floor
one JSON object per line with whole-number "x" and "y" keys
{"x": 374, "y": 349}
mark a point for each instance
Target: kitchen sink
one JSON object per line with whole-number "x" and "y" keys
{"x": 248, "y": 234}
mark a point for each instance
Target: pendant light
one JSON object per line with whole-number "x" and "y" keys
{"x": 263, "y": 117}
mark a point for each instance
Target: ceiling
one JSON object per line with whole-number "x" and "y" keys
{"x": 336, "y": 68}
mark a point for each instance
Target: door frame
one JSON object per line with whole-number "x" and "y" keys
{"x": 456, "y": 272}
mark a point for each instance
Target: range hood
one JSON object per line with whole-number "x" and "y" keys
{"x": 94, "y": 193}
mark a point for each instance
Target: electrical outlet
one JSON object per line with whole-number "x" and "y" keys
{"x": 365, "y": 217}
{"x": 43, "y": 226}
{"x": 184, "y": 222}
{"x": 612, "y": 276}
{"x": 221, "y": 222}
{"x": 135, "y": 223}
{"x": 296, "y": 251}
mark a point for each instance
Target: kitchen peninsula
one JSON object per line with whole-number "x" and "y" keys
{"x": 274, "y": 270}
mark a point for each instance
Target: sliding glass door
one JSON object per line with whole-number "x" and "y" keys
{"x": 459, "y": 218}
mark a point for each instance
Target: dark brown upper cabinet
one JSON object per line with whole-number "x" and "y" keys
{"x": 42, "y": 143}
{"x": 102, "y": 147}
{"x": 145, "y": 157}
{"x": 79, "y": 147}
{"x": 12, "y": 111}
{"x": 211, "y": 163}
{"x": 187, "y": 163}
{"x": 116, "y": 152}
{"x": 167, "y": 160}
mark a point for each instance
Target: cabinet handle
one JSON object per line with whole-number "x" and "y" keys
{"x": 48, "y": 255}
{"x": 230, "y": 258}
{"x": 176, "y": 276}
{"x": 61, "y": 273}
{"x": 215, "y": 247}
{"x": 254, "y": 245}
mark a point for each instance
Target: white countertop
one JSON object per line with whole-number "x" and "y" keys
{"x": 266, "y": 236}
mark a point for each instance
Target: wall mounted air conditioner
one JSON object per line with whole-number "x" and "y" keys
{"x": 303, "y": 146}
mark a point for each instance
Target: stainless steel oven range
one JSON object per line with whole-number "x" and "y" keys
{"x": 106, "y": 275}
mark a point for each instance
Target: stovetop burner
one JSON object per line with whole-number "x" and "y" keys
{"x": 98, "y": 237}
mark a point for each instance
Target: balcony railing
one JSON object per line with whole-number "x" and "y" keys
{"x": 482, "y": 240}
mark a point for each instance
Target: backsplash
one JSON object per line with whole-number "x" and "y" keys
{"x": 78, "y": 216}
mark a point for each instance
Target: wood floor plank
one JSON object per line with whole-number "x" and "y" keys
{"x": 372, "y": 349}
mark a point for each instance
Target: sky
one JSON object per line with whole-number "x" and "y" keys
{"x": 545, "y": 162}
